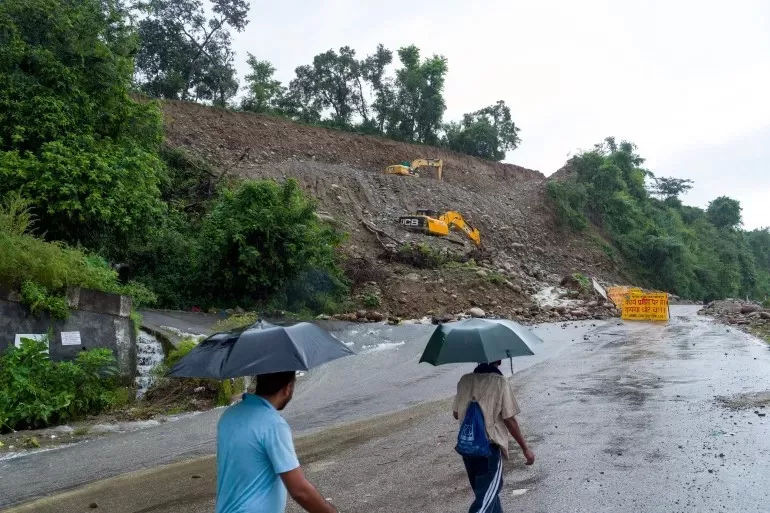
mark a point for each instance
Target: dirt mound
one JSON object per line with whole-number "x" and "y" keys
{"x": 343, "y": 171}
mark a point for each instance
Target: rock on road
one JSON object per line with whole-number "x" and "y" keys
{"x": 630, "y": 417}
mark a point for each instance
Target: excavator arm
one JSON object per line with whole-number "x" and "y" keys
{"x": 455, "y": 221}
{"x": 437, "y": 163}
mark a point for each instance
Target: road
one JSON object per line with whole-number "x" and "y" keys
{"x": 383, "y": 377}
{"x": 628, "y": 417}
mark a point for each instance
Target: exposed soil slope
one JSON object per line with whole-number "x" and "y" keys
{"x": 344, "y": 172}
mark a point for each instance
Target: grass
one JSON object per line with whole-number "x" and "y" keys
{"x": 82, "y": 431}
{"x": 496, "y": 278}
{"x": 236, "y": 321}
{"x": 30, "y": 442}
{"x": 371, "y": 300}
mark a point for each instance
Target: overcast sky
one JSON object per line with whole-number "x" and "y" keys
{"x": 687, "y": 81}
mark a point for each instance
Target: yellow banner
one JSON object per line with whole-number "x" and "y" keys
{"x": 616, "y": 294}
{"x": 651, "y": 306}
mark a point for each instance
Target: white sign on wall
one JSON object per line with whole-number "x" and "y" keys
{"x": 70, "y": 338}
{"x": 32, "y": 336}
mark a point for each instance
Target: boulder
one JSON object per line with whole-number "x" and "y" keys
{"x": 361, "y": 314}
{"x": 238, "y": 310}
{"x": 413, "y": 277}
{"x": 514, "y": 287}
{"x": 592, "y": 304}
{"x": 570, "y": 282}
{"x": 477, "y": 312}
{"x": 374, "y": 316}
{"x": 442, "y": 318}
{"x": 481, "y": 273}
{"x": 561, "y": 309}
{"x": 765, "y": 315}
{"x": 578, "y": 313}
{"x": 747, "y": 309}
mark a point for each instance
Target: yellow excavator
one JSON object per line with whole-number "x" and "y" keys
{"x": 426, "y": 221}
{"x": 407, "y": 169}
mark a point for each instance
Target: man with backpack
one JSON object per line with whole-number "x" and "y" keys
{"x": 487, "y": 408}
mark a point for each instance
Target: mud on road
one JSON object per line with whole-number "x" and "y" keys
{"x": 628, "y": 418}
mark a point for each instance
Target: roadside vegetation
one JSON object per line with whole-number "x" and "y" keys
{"x": 85, "y": 180}
{"x": 700, "y": 254}
{"x": 37, "y": 392}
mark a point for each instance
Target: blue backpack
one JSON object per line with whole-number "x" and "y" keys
{"x": 472, "y": 438}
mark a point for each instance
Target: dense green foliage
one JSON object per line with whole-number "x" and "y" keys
{"x": 259, "y": 237}
{"x": 342, "y": 91}
{"x": 44, "y": 269}
{"x": 487, "y": 133}
{"x": 37, "y": 392}
{"x": 82, "y": 166}
{"x": 39, "y": 300}
{"x": 685, "y": 250}
{"x": 71, "y": 139}
{"x": 185, "y": 49}
{"x": 259, "y": 242}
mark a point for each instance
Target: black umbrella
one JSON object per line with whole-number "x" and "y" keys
{"x": 260, "y": 349}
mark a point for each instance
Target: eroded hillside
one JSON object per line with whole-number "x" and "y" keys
{"x": 343, "y": 171}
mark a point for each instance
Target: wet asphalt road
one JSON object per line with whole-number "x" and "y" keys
{"x": 627, "y": 418}
{"x": 383, "y": 376}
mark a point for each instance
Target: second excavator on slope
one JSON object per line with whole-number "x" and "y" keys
{"x": 426, "y": 221}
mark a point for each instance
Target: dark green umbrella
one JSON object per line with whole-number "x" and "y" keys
{"x": 478, "y": 341}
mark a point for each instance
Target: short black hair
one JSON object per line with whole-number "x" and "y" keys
{"x": 270, "y": 384}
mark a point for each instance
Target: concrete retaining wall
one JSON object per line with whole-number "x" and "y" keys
{"x": 100, "y": 319}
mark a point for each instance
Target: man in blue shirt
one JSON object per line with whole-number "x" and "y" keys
{"x": 256, "y": 462}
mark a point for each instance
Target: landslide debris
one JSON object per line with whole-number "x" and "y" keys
{"x": 410, "y": 274}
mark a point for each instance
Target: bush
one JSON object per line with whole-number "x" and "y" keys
{"x": 423, "y": 256}
{"x": 569, "y": 200}
{"x": 258, "y": 238}
{"x": 45, "y": 269}
{"x": 36, "y": 392}
{"x": 182, "y": 348}
{"x": 371, "y": 300}
{"x": 37, "y": 299}
{"x": 71, "y": 138}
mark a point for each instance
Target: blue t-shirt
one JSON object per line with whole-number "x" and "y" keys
{"x": 254, "y": 445}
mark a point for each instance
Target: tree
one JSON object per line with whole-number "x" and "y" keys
{"x": 181, "y": 48}
{"x": 333, "y": 81}
{"x": 487, "y": 133}
{"x": 264, "y": 91}
{"x": 217, "y": 82}
{"x": 419, "y": 105}
{"x": 373, "y": 70}
{"x": 258, "y": 237}
{"x": 71, "y": 139}
{"x": 724, "y": 212}
{"x": 671, "y": 187}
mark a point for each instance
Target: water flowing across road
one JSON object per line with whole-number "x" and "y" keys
{"x": 384, "y": 376}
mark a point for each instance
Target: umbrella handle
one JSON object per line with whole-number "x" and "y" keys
{"x": 510, "y": 359}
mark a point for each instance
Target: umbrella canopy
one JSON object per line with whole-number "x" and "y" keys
{"x": 260, "y": 349}
{"x": 478, "y": 341}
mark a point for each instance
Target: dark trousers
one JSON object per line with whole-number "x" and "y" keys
{"x": 486, "y": 477}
